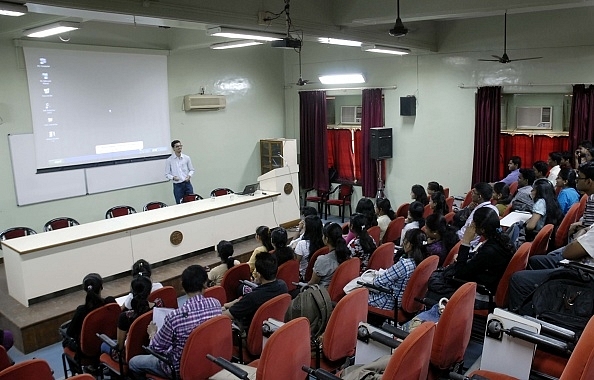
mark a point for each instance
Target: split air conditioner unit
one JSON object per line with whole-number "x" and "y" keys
{"x": 204, "y": 102}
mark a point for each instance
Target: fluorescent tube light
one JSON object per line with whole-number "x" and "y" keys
{"x": 10, "y": 9}
{"x": 234, "y": 44}
{"x": 385, "y": 49}
{"x": 52, "y": 29}
{"x": 244, "y": 34}
{"x": 342, "y": 79}
{"x": 337, "y": 41}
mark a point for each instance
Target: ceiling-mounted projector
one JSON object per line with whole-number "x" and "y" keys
{"x": 286, "y": 43}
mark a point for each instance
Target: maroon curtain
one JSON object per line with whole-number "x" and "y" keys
{"x": 528, "y": 148}
{"x": 313, "y": 166}
{"x": 581, "y": 122}
{"x": 487, "y": 129}
{"x": 341, "y": 151}
{"x": 371, "y": 117}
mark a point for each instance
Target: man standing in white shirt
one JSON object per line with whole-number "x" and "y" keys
{"x": 179, "y": 169}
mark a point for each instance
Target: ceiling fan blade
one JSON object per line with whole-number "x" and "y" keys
{"x": 524, "y": 59}
{"x": 488, "y": 60}
{"x": 498, "y": 57}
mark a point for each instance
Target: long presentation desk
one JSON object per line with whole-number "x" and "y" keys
{"x": 42, "y": 264}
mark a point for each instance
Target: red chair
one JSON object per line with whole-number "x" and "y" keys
{"x": 5, "y": 360}
{"x": 562, "y": 234}
{"x": 450, "y": 203}
{"x": 340, "y": 336}
{"x": 102, "y": 320}
{"x": 116, "y": 211}
{"x": 451, "y": 255}
{"x": 467, "y": 199}
{"x": 374, "y": 232}
{"x": 449, "y": 217}
{"x": 217, "y": 292}
{"x": 190, "y": 198}
{"x": 167, "y": 294}
{"x": 411, "y": 359}
{"x": 579, "y": 367}
{"x": 16, "y": 232}
{"x": 382, "y": 257}
{"x": 275, "y": 308}
{"x": 312, "y": 261}
{"x": 427, "y": 211}
{"x": 29, "y": 369}
{"x": 394, "y": 230}
{"x": 446, "y": 192}
{"x": 403, "y": 210}
{"x": 136, "y": 338}
{"x": 345, "y": 272}
{"x": 153, "y": 206}
{"x": 416, "y": 288}
{"x": 345, "y": 192}
{"x": 212, "y": 337}
{"x": 230, "y": 281}
{"x": 452, "y": 333}
{"x": 319, "y": 197}
{"x": 513, "y": 188}
{"x": 541, "y": 241}
{"x": 583, "y": 201}
{"x": 289, "y": 273}
{"x": 220, "y": 192}
{"x": 57, "y": 223}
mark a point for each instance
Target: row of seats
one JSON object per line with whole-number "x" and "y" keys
{"x": 323, "y": 199}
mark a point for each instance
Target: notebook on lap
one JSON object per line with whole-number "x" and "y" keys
{"x": 249, "y": 189}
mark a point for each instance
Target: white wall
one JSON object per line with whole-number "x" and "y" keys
{"x": 223, "y": 144}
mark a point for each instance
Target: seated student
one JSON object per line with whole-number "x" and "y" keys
{"x": 546, "y": 209}
{"x": 437, "y": 202}
{"x": 433, "y": 187}
{"x": 141, "y": 268}
{"x": 325, "y": 265}
{"x": 366, "y": 207}
{"x": 305, "y": 212}
{"x": 514, "y": 165}
{"x": 140, "y": 290}
{"x": 566, "y": 160}
{"x": 309, "y": 243}
{"x": 540, "y": 169}
{"x": 554, "y": 162}
{"x": 581, "y": 152}
{"x": 243, "y": 309}
{"x": 484, "y": 263}
{"x": 502, "y": 196}
{"x": 170, "y": 339}
{"x": 522, "y": 201}
{"x": 568, "y": 194}
{"x": 481, "y": 198}
{"x": 441, "y": 237}
{"x": 385, "y": 215}
{"x": 396, "y": 277}
{"x": 417, "y": 193}
{"x": 283, "y": 253}
{"x": 224, "y": 251}
{"x": 92, "y": 285}
{"x": 263, "y": 237}
{"x": 363, "y": 245}
{"x": 415, "y": 217}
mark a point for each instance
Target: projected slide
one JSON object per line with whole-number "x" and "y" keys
{"x": 93, "y": 107}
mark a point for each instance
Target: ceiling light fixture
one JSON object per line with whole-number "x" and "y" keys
{"x": 52, "y": 29}
{"x": 342, "y": 79}
{"x": 385, "y": 49}
{"x": 10, "y": 9}
{"x": 234, "y": 44}
{"x": 337, "y": 41}
{"x": 243, "y": 34}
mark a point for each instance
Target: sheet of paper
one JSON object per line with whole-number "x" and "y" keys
{"x": 513, "y": 217}
{"x": 159, "y": 314}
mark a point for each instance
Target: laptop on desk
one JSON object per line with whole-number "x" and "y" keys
{"x": 249, "y": 189}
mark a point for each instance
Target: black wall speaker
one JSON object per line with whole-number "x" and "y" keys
{"x": 408, "y": 106}
{"x": 381, "y": 143}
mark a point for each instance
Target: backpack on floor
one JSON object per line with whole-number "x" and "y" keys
{"x": 565, "y": 298}
{"x": 313, "y": 303}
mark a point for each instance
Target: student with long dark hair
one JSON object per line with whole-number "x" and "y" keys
{"x": 502, "y": 196}
{"x": 396, "y": 277}
{"x": 263, "y": 237}
{"x": 279, "y": 239}
{"x": 546, "y": 209}
{"x": 309, "y": 243}
{"x": 363, "y": 245}
{"x": 437, "y": 202}
{"x": 326, "y": 265}
{"x": 366, "y": 207}
{"x": 225, "y": 252}
{"x": 441, "y": 236}
{"x": 433, "y": 187}
{"x": 415, "y": 217}
{"x": 141, "y": 268}
{"x": 385, "y": 215}
{"x": 417, "y": 192}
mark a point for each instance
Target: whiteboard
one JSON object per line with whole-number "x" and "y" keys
{"x": 31, "y": 187}
{"x": 113, "y": 177}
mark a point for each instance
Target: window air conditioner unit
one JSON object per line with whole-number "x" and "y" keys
{"x": 204, "y": 102}
{"x": 534, "y": 117}
{"x": 350, "y": 115}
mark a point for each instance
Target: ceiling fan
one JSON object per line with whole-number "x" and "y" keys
{"x": 504, "y": 58}
{"x": 301, "y": 81}
{"x": 399, "y": 30}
